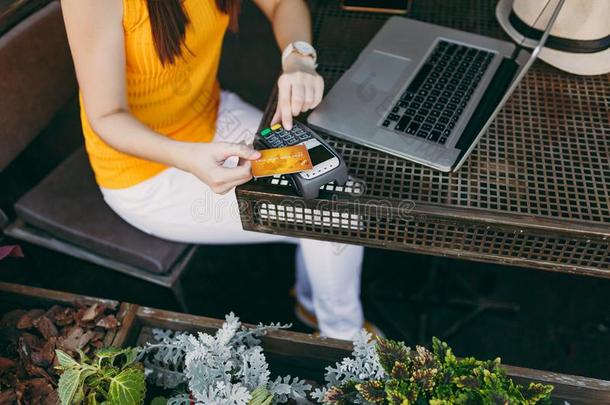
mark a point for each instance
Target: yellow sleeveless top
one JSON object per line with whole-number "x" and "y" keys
{"x": 178, "y": 100}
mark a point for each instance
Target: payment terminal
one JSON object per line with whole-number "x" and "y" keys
{"x": 328, "y": 166}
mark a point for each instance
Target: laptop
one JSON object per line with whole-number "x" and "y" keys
{"x": 427, "y": 93}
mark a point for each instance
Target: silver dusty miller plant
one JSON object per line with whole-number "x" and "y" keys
{"x": 363, "y": 366}
{"x": 228, "y": 368}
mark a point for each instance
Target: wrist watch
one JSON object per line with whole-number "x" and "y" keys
{"x": 302, "y": 48}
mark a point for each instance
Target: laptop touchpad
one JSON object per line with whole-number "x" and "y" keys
{"x": 380, "y": 70}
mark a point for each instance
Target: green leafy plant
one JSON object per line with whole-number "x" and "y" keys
{"x": 111, "y": 377}
{"x": 388, "y": 372}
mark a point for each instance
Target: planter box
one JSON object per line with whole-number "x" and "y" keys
{"x": 288, "y": 352}
{"x": 13, "y": 296}
{"x": 306, "y": 356}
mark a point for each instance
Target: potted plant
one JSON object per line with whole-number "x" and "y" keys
{"x": 228, "y": 367}
{"x": 32, "y": 336}
{"x": 112, "y": 376}
{"x": 383, "y": 371}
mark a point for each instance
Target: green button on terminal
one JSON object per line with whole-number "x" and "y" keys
{"x": 266, "y": 131}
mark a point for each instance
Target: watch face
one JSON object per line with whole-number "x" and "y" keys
{"x": 303, "y": 48}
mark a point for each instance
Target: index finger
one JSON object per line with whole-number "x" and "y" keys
{"x": 283, "y": 103}
{"x": 276, "y": 116}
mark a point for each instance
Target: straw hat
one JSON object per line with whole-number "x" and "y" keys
{"x": 579, "y": 41}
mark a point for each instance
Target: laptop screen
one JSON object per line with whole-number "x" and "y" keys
{"x": 547, "y": 17}
{"x": 523, "y": 58}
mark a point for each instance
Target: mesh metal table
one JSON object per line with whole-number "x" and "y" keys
{"x": 535, "y": 192}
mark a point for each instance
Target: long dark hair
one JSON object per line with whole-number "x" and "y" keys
{"x": 168, "y": 20}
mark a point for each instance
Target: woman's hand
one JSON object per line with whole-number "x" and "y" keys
{"x": 300, "y": 88}
{"x": 207, "y": 162}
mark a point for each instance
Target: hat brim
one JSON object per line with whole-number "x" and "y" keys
{"x": 586, "y": 64}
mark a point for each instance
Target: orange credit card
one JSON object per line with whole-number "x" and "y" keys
{"x": 291, "y": 159}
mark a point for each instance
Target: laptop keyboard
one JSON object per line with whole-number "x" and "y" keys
{"x": 436, "y": 98}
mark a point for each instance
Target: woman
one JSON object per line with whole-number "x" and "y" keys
{"x": 168, "y": 146}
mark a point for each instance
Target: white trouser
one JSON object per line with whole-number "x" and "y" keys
{"x": 175, "y": 205}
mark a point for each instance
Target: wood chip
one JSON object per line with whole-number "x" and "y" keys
{"x": 91, "y": 313}
{"x": 27, "y": 320}
{"x": 46, "y": 328}
{"x": 8, "y": 396}
{"x": 107, "y": 322}
{"x": 5, "y": 364}
{"x": 45, "y": 356}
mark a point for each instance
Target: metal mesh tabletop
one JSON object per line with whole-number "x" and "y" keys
{"x": 535, "y": 192}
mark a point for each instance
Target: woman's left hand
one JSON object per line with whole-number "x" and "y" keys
{"x": 300, "y": 88}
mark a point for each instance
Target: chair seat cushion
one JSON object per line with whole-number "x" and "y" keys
{"x": 69, "y": 205}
